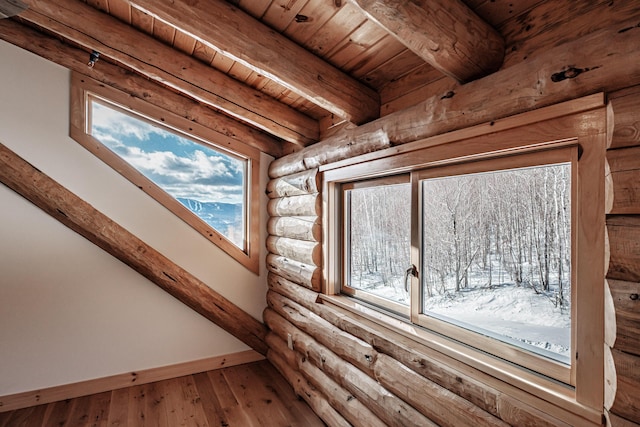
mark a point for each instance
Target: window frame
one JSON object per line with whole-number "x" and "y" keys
{"x": 83, "y": 89}
{"x": 580, "y": 124}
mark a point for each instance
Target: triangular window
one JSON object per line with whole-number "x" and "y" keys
{"x": 204, "y": 177}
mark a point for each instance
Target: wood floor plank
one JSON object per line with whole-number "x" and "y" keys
{"x": 183, "y": 403}
{"x": 233, "y": 410}
{"x": 26, "y": 417}
{"x": 136, "y": 415}
{"x": 253, "y": 394}
{"x": 98, "y": 413}
{"x": 210, "y": 402}
{"x": 79, "y": 412}
{"x": 256, "y": 398}
{"x": 154, "y": 402}
{"x": 118, "y": 408}
{"x": 57, "y": 413}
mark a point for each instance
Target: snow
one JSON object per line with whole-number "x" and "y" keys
{"x": 507, "y": 312}
{"x": 510, "y": 311}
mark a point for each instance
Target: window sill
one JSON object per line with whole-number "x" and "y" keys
{"x": 558, "y": 399}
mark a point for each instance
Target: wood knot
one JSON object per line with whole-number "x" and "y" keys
{"x": 570, "y": 73}
{"x": 634, "y": 297}
{"x": 448, "y": 95}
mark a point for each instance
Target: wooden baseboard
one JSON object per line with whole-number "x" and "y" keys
{"x": 99, "y": 385}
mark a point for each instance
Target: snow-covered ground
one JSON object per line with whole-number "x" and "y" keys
{"x": 509, "y": 311}
{"x": 506, "y": 310}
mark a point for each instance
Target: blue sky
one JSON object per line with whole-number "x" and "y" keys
{"x": 181, "y": 167}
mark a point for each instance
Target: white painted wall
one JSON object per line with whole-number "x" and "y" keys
{"x": 69, "y": 311}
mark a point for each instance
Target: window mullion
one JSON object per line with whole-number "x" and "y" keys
{"x": 416, "y": 248}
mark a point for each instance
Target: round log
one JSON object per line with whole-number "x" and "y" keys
{"x": 357, "y": 413}
{"x": 613, "y": 420}
{"x": 426, "y": 362}
{"x": 624, "y": 248}
{"x": 609, "y": 192}
{"x": 297, "y": 272}
{"x": 298, "y": 250}
{"x": 305, "y": 205}
{"x": 344, "y": 145}
{"x": 626, "y": 299}
{"x": 297, "y": 184}
{"x": 626, "y": 118}
{"x": 610, "y": 380}
{"x": 627, "y": 368}
{"x": 348, "y": 347}
{"x": 434, "y": 401}
{"x": 610, "y": 328}
{"x": 303, "y": 389}
{"x": 388, "y": 407}
{"x": 622, "y": 187}
{"x": 296, "y": 227}
{"x": 352, "y": 409}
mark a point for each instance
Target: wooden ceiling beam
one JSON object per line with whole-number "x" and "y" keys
{"x": 75, "y": 59}
{"x": 94, "y": 30}
{"x": 242, "y": 38}
{"x": 445, "y": 33}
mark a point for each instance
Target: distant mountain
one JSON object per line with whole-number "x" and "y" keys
{"x": 224, "y": 217}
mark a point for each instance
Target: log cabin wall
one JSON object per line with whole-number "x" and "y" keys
{"x": 623, "y": 275}
{"x": 352, "y": 374}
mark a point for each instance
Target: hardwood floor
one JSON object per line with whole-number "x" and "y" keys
{"x": 253, "y": 394}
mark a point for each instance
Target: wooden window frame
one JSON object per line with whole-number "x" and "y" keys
{"x": 580, "y": 124}
{"x": 84, "y": 88}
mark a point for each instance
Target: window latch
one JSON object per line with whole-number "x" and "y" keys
{"x": 413, "y": 271}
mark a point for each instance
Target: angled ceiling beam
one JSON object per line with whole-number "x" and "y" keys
{"x": 94, "y": 30}
{"x": 242, "y": 38}
{"x": 84, "y": 219}
{"x": 75, "y": 59}
{"x": 445, "y": 33}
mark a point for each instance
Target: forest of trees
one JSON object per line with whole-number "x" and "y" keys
{"x": 479, "y": 230}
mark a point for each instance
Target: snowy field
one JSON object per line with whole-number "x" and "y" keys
{"x": 506, "y": 310}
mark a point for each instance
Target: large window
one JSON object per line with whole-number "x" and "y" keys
{"x": 185, "y": 167}
{"x": 493, "y": 243}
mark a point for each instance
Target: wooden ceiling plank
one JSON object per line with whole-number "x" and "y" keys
{"x": 255, "y": 8}
{"x": 121, "y": 10}
{"x": 360, "y": 41}
{"x": 343, "y": 23}
{"x": 102, "y": 5}
{"x": 445, "y": 33}
{"x": 142, "y": 21}
{"x": 269, "y": 53}
{"x": 163, "y": 32}
{"x": 496, "y": 12}
{"x": 85, "y": 26}
{"x": 222, "y": 62}
{"x": 240, "y": 72}
{"x": 281, "y": 14}
{"x": 203, "y": 52}
{"x": 318, "y": 13}
{"x": 75, "y": 59}
{"x": 375, "y": 56}
{"x": 395, "y": 68}
{"x": 184, "y": 43}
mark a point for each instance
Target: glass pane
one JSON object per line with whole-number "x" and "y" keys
{"x": 379, "y": 240}
{"x": 209, "y": 183}
{"x": 497, "y": 255}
